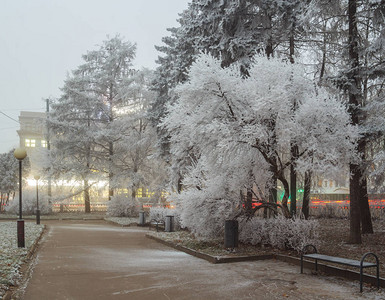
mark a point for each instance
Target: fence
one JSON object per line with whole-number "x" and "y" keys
{"x": 78, "y": 207}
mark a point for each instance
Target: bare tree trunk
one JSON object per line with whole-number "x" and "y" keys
{"x": 355, "y": 229}
{"x": 273, "y": 196}
{"x": 179, "y": 185}
{"x": 269, "y": 44}
{"x": 293, "y": 180}
{"x": 2, "y": 202}
{"x": 354, "y": 104}
{"x": 285, "y": 198}
{"x": 293, "y": 147}
{"x": 273, "y": 188}
{"x": 249, "y": 202}
{"x": 306, "y": 195}
{"x": 324, "y": 46}
{"x": 366, "y": 218}
{"x": 87, "y": 202}
{"x": 110, "y": 174}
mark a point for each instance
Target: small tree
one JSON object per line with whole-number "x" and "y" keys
{"x": 9, "y": 176}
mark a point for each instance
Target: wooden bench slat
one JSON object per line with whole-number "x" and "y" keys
{"x": 339, "y": 260}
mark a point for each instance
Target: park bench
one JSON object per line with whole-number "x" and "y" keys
{"x": 361, "y": 264}
{"x": 156, "y": 223}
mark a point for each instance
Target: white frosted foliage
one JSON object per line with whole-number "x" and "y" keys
{"x": 237, "y": 131}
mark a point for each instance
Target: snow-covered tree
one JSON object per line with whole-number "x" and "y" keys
{"x": 73, "y": 123}
{"x": 108, "y": 71}
{"x": 82, "y": 123}
{"x": 135, "y": 164}
{"x": 232, "y": 31}
{"x": 9, "y": 176}
{"x": 352, "y": 56}
{"x": 224, "y": 122}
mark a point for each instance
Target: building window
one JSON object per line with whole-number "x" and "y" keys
{"x": 139, "y": 193}
{"x": 30, "y": 143}
{"x": 44, "y": 143}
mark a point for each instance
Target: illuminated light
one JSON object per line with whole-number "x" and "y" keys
{"x": 30, "y": 143}
{"x": 99, "y": 184}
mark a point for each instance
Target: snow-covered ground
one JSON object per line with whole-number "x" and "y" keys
{"x": 124, "y": 221}
{"x": 12, "y": 257}
{"x": 58, "y": 216}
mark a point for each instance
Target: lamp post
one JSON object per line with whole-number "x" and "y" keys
{"x": 37, "y": 177}
{"x": 20, "y": 154}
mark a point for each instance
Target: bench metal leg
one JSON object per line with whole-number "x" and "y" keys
{"x": 361, "y": 279}
{"x": 301, "y": 264}
{"x": 316, "y": 265}
{"x": 378, "y": 276}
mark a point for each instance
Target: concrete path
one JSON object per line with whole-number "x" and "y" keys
{"x": 95, "y": 260}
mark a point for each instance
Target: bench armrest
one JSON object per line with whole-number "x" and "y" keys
{"x": 304, "y": 249}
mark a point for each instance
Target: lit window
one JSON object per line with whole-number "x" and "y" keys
{"x": 44, "y": 143}
{"x": 139, "y": 193}
{"x": 30, "y": 143}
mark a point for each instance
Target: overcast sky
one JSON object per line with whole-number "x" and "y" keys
{"x": 42, "y": 40}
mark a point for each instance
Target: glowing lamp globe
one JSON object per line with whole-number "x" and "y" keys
{"x": 20, "y": 153}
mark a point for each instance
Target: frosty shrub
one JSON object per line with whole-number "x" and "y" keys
{"x": 204, "y": 217}
{"x": 280, "y": 232}
{"x": 160, "y": 213}
{"x": 122, "y": 206}
{"x": 29, "y": 204}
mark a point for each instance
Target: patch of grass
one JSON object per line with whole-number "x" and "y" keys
{"x": 213, "y": 247}
{"x": 12, "y": 257}
{"x": 58, "y": 216}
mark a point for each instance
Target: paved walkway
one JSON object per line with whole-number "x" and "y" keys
{"x": 95, "y": 260}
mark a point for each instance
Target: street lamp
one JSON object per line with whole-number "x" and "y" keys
{"x": 37, "y": 177}
{"x": 20, "y": 154}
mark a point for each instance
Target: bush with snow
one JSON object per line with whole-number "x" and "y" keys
{"x": 280, "y": 232}
{"x": 29, "y": 204}
{"x": 122, "y": 206}
{"x": 205, "y": 218}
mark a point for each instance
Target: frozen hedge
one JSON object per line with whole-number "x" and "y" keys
{"x": 29, "y": 204}
{"x": 279, "y": 232}
{"x": 122, "y": 206}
